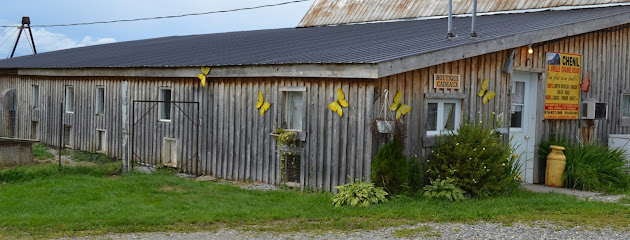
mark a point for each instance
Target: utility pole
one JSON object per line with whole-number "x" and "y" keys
{"x": 26, "y": 23}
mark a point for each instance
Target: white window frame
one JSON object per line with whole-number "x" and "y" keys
{"x": 285, "y": 112}
{"x": 622, "y": 105}
{"x": 98, "y": 95}
{"x": 68, "y": 137}
{"x": 35, "y": 92}
{"x": 161, "y": 105}
{"x": 170, "y": 148}
{"x": 624, "y": 121}
{"x": 101, "y": 140}
{"x": 69, "y": 98}
{"x": 440, "y": 115}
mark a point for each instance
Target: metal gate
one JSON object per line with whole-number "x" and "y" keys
{"x": 165, "y": 133}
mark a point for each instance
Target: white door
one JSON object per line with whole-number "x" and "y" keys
{"x": 523, "y": 120}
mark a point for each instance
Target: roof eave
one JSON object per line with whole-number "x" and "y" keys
{"x": 363, "y": 70}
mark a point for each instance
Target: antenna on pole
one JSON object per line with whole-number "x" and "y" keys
{"x": 26, "y": 23}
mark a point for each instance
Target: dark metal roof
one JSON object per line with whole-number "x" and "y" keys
{"x": 358, "y": 43}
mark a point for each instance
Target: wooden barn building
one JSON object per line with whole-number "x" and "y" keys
{"x": 143, "y": 101}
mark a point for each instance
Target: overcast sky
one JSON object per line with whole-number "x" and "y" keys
{"x": 75, "y": 11}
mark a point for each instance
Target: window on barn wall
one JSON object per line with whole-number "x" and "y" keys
{"x": 69, "y": 99}
{"x": 443, "y": 115}
{"x": 293, "y": 118}
{"x": 625, "y": 108}
{"x": 101, "y": 140}
{"x": 169, "y": 152}
{"x": 34, "y": 129}
{"x": 100, "y": 100}
{"x": 35, "y": 96}
{"x": 294, "y": 108}
{"x": 68, "y": 136}
{"x": 164, "y": 107}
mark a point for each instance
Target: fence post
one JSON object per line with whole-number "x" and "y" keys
{"x": 125, "y": 126}
{"x": 60, "y": 132}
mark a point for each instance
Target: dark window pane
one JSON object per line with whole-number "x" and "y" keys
{"x": 516, "y": 120}
{"x": 449, "y": 116}
{"x": 432, "y": 117}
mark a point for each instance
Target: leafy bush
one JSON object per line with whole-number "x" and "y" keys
{"x": 444, "y": 189}
{"x": 475, "y": 158}
{"x": 417, "y": 178}
{"x": 359, "y": 194}
{"x": 390, "y": 168}
{"x": 595, "y": 167}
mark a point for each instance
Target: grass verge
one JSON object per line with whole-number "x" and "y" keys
{"x": 40, "y": 152}
{"x": 45, "y": 202}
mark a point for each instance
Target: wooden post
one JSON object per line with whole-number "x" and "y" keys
{"x": 60, "y": 132}
{"x": 125, "y": 125}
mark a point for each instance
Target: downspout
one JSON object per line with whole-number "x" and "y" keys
{"x": 473, "y": 30}
{"x": 450, "y": 34}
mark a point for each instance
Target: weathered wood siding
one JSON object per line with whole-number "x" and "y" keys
{"x": 234, "y": 140}
{"x": 240, "y": 147}
{"x": 606, "y": 55}
{"x": 5, "y": 84}
{"x": 84, "y": 121}
{"x": 415, "y": 84}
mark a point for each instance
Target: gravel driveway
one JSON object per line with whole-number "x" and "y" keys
{"x": 542, "y": 230}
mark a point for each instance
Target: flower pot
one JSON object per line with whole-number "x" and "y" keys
{"x": 385, "y": 126}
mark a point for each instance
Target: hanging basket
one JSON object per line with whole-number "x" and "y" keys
{"x": 385, "y": 126}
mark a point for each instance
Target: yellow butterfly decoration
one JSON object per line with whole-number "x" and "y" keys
{"x": 262, "y": 104}
{"x": 401, "y": 109}
{"x": 336, "y": 106}
{"x": 485, "y": 93}
{"x": 202, "y": 76}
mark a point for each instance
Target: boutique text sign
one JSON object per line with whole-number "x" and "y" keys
{"x": 562, "y": 95}
{"x": 446, "y": 81}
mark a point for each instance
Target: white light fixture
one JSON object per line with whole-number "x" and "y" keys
{"x": 529, "y": 49}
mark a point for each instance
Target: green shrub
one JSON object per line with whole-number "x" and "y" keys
{"x": 513, "y": 170}
{"x": 444, "y": 189}
{"x": 417, "y": 172}
{"x": 40, "y": 152}
{"x": 595, "y": 167}
{"x": 389, "y": 168}
{"x": 476, "y": 159}
{"x": 359, "y": 194}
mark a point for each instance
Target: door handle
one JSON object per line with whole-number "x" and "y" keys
{"x": 526, "y": 137}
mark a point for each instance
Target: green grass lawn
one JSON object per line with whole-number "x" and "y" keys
{"x": 41, "y": 202}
